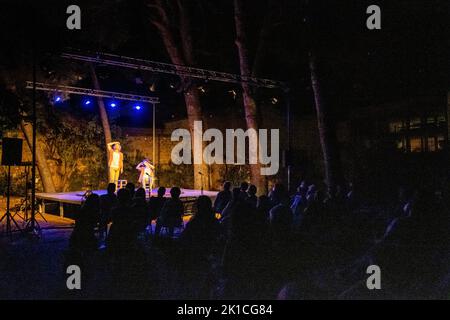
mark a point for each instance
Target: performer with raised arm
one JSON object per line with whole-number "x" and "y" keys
{"x": 115, "y": 161}
{"x": 147, "y": 174}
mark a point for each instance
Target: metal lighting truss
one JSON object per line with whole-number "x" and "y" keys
{"x": 160, "y": 67}
{"x": 92, "y": 92}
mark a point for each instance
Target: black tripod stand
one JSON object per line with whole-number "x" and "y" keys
{"x": 9, "y": 218}
{"x": 26, "y": 206}
{"x": 32, "y": 225}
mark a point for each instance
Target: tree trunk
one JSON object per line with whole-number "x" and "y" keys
{"x": 102, "y": 110}
{"x": 182, "y": 55}
{"x": 41, "y": 159}
{"x": 249, "y": 102}
{"x": 192, "y": 101}
{"x": 327, "y": 132}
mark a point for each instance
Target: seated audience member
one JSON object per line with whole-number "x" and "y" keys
{"x": 199, "y": 242}
{"x": 277, "y": 194}
{"x": 107, "y": 202}
{"x": 352, "y": 197}
{"x": 299, "y": 203}
{"x": 83, "y": 236}
{"x": 403, "y": 206}
{"x": 140, "y": 210}
{"x": 235, "y": 198}
{"x": 311, "y": 193}
{"x": 302, "y": 190}
{"x": 244, "y": 255}
{"x": 280, "y": 216}
{"x": 314, "y": 213}
{"x": 426, "y": 228}
{"x": 263, "y": 207}
{"x": 131, "y": 188}
{"x": 223, "y": 197}
{"x": 155, "y": 204}
{"x": 171, "y": 213}
{"x": 122, "y": 233}
{"x": 302, "y": 187}
{"x": 252, "y": 199}
{"x": 244, "y": 188}
{"x": 202, "y": 231}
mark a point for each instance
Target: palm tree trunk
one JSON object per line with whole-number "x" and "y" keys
{"x": 327, "y": 132}
{"x": 192, "y": 101}
{"x": 182, "y": 54}
{"x": 249, "y": 102}
{"x": 102, "y": 110}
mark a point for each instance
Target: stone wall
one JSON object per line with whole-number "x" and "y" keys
{"x": 305, "y": 144}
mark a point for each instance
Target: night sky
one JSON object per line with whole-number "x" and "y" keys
{"x": 409, "y": 56}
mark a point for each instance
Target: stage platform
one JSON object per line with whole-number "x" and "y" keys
{"x": 76, "y": 197}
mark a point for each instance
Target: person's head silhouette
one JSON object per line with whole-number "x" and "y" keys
{"x": 161, "y": 191}
{"x": 227, "y": 185}
{"x": 124, "y": 196}
{"x": 175, "y": 192}
{"x": 140, "y": 193}
{"x": 111, "y": 188}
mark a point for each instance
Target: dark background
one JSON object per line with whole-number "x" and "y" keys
{"x": 407, "y": 57}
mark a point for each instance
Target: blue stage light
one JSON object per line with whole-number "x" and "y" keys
{"x": 113, "y": 104}
{"x": 137, "y": 107}
{"x": 57, "y": 99}
{"x": 87, "y": 102}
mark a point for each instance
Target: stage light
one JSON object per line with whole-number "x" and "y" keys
{"x": 274, "y": 100}
{"x": 57, "y": 99}
{"x": 113, "y": 104}
{"x": 87, "y": 102}
{"x": 137, "y": 107}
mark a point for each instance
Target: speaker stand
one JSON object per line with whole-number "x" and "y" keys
{"x": 9, "y": 218}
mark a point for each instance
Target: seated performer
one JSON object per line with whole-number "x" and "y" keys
{"x": 115, "y": 161}
{"x": 147, "y": 174}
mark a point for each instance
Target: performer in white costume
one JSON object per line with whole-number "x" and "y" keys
{"x": 147, "y": 174}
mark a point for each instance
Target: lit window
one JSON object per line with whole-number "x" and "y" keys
{"x": 431, "y": 120}
{"x": 415, "y": 144}
{"x": 431, "y": 144}
{"x": 414, "y": 123}
{"x": 441, "y": 119}
{"x": 440, "y": 142}
{"x": 395, "y": 126}
{"x": 400, "y": 144}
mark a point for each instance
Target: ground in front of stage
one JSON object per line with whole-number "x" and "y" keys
{"x": 34, "y": 267}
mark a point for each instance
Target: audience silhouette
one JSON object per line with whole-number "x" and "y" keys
{"x": 223, "y": 197}
{"x": 311, "y": 244}
{"x": 171, "y": 215}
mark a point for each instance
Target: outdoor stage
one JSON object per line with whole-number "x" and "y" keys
{"x": 72, "y": 200}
